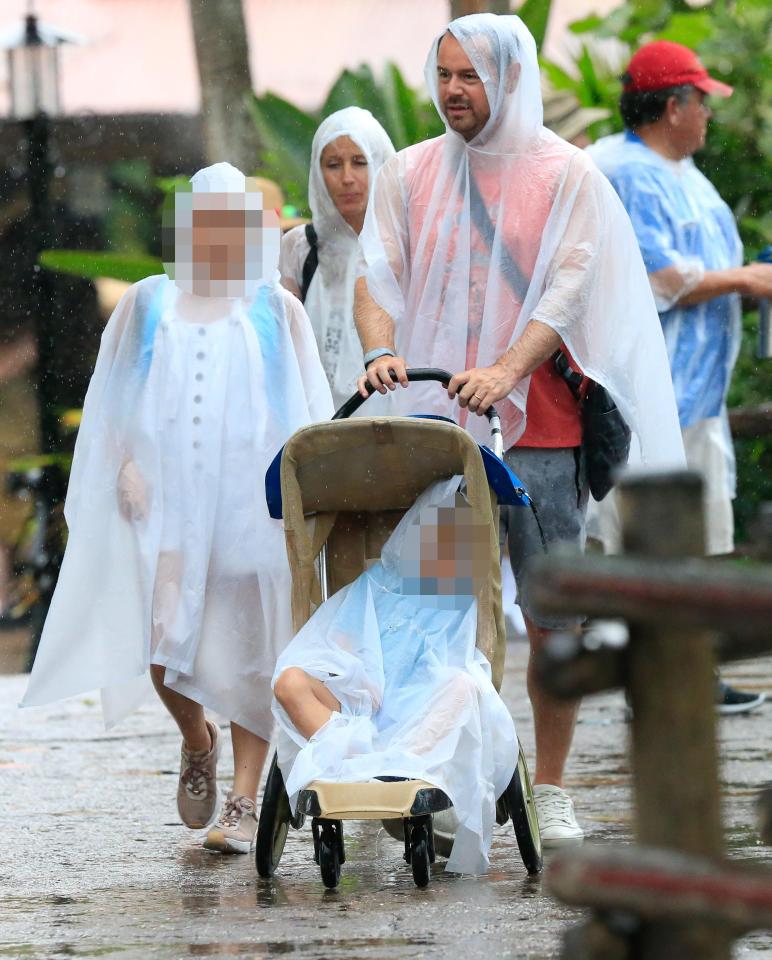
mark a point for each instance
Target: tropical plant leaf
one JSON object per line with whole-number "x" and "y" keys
{"x": 285, "y": 133}
{"x": 690, "y": 29}
{"x": 355, "y": 88}
{"x": 401, "y": 105}
{"x": 586, "y": 24}
{"x": 535, "y": 15}
{"x": 587, "y": 72}
{"x": 93, "y": 264}
{"x": 169, "y": 185}
{"x": 559, "y": 78}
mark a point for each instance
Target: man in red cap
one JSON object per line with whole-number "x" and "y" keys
{"x": 693, "y": 255}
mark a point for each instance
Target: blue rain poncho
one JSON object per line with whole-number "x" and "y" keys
{"x": 416, "y": 694}
{"x": 683, "y": 224}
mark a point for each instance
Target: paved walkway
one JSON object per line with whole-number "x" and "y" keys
{"x": 96, "y": 864}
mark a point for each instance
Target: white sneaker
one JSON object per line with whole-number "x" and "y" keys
{"x": 555, "y": 811}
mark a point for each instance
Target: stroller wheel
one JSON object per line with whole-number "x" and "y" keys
{"x": 420, "y": 855}
{"x": 330, "y": 852}
{"x": 522, "y": 809}
{"x": 274, "y": 823}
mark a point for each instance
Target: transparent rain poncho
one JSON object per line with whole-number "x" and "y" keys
{"x": 561, "y": 251}
{"x": 172, "y": 558}
{"x": 397, "y": 650}
{"x": 330, "y": 298}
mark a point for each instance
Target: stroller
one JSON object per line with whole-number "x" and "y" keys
{"x": 328, "y": 486}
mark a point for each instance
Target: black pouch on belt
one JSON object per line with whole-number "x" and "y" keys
{"x": 605, "y": 434}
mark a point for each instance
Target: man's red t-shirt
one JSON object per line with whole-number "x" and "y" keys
{"x": 552, "y": 413}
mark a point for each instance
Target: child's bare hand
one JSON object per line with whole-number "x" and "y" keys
{"x": 132, "y": 493}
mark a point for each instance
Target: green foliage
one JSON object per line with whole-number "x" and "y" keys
{"x": 732, "y": 39}
{"x": 738, "y": 154}
{"x": 129, "y": 222}
{"x": 751, "y": 385}
{"x": 535, "y": 14}
{"x": 79, "y": 263}
{"x": 286, "y": 131}
{"x": 285, "y": 135}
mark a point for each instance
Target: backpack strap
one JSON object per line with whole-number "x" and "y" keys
{"x": 567, "y": 372}
{"x": 311, "y": 262}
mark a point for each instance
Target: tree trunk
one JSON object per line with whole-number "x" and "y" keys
{"x": 460, "y": 8}
{"x": 222, "y": 52}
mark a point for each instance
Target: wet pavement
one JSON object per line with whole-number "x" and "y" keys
{"x": 96, "y": 864}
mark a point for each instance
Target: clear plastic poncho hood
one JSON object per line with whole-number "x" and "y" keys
{"x": 223, "y": 189}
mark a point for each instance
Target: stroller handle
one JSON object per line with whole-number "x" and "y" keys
{"x": 419, "y": 374}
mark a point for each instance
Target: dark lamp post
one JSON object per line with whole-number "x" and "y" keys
{"x": 33, "y": 65}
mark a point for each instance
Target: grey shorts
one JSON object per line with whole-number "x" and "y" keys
{"x": 555, "y": 480}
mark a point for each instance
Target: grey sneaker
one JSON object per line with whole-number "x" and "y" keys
{"x": 236, "y": 827}
{"x": 197, "y": 789}
{"x": 555, "y": 813}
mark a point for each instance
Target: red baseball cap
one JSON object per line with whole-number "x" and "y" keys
{"x": 662, "y": 64}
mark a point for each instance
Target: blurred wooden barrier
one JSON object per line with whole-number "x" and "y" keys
{"x": 672, "y": 896}
{"x": 749, "y": 422}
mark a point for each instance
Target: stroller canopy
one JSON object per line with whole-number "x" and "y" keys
{"x": 351, "y": 466}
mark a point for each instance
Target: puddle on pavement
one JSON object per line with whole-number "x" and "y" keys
{"x": 327, "y": 948}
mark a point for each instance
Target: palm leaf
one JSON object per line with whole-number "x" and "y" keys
{"x": 285, "y": 135}
{"x": 92, "y": 264}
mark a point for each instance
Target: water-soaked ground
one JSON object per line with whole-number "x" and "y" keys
{"x": 96, "y": 864}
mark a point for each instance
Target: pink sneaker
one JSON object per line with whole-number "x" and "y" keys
{"x": 236, "y": 827}
{"x": 197, "y": 794}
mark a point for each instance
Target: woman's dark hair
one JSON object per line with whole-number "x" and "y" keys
{"x": 639, "y": 107}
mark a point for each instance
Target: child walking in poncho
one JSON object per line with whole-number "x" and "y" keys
{"x": 173, "y": 568}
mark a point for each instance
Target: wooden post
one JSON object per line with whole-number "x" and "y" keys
{"x": 671, "y": 677}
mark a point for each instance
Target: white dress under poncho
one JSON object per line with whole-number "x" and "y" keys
{"x": 416, "y": 695}
{"x": 198, "y": 394}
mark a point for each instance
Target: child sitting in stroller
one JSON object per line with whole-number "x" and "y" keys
{"x": 385, "y": 679}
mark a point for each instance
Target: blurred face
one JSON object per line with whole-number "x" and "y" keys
{"x": 450, "y": 557}
{"x": 219, "y": 243}
{"x": 688, "y": 123}
{"x": 346, "y": 175}
{"x": 461, "y": 92}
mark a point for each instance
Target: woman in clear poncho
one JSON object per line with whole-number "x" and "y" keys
{"x": 385, "y": 678}
{"x": 348, "y": 149}
{"x": 173, "y": 568}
